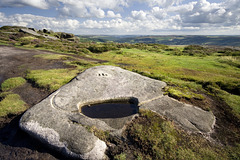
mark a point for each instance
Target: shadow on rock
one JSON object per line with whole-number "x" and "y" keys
{"x": 16, "y": 144}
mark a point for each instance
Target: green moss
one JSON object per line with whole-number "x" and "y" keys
{"x": 81, "y": 63}
{"x": 159, "y": 139}
{"x": 11, "y": 104}
{"x": 234, "y": 152}
{"x": 232, "y": 100}
{"x": 121, "y": 156}
{"x": 230, "y": 60}
{"x": 103, "y": 135}
{"x": 51, "y": 79}
{"x": 12, "y": 83}
{"x": 26, "y": 40}
{"x": 178, "y": 92}
{"x": 3, "y": 43}
{"x": 52, "y": 56}
{"x": 185, "y": 154}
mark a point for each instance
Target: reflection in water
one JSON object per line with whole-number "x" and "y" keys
{"x": 1, "y": 79}
{"x": 110, "y": 110}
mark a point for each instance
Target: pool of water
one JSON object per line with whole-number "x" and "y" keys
{"x": 110, "y": 110}
{"x": 1, "y": 79}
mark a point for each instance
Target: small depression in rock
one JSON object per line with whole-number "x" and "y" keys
{"x": 1, "y": 79}
{"x": 110, "y": 110}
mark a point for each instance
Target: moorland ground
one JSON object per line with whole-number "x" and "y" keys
{"x": 208, "y": 77}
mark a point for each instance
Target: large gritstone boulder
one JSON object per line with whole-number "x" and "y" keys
{"x": 60, "y": 123}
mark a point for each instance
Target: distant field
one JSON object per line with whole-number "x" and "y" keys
{"x": 170, "y": 40}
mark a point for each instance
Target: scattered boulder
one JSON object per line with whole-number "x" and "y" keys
{"x": 66, "y": 35}
{"x": 58, "y": 122}
{"x": 29, "y": 31}
{"x": 33, "y": 29}
{"x": 50, "y": 37}
{"x": 33, "y": 32}
{"x": 45, "y": 31}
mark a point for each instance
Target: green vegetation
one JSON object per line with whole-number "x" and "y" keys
{"x": 26, "y": 40}
{"x": 51, "y": 79}
{"x": 178, "y": 93}
{"x": 187, "y": 75}
{"x": 11, "y": 104}
{"x": 189, "y": 70}
{"x": 169, "y": 40}
{"x": 121, "y": 156}
{"x": 103, "y": 135}
{"x": 192, "y": 72}
{"x": 52, "y": 56}
{"x": 158, "y": 138}
{"x": 12, "y": 83}
{"x": 232, "y": 100}
{"x": 230, "y": 60}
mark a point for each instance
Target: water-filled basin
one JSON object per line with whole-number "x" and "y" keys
{"x": 115, "y": 109}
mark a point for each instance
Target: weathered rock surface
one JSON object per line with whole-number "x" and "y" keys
{"x": 57, "y": 122}
{"x": 32, "y": 31}
{"x": 29, "y": 31}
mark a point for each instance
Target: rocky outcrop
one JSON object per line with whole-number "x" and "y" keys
{"x": 66, "y": 35}
{"x": 33, "y": 32}
{"x": 29, "y": 31}
{"x": 58, "y": 122}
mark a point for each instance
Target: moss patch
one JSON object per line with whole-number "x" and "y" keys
{"x": 11, "y": 104}
{"x": 103, "y": 135}
{"x": 231, "y": 99}
{"x": 51, "y": 79}
{"x": 52, "y": 56}
{"x": 158, "y": 138}
{"x": 121, "y": 156}
{"x": 178, "y": 93}
{"x": 12, "y": 83}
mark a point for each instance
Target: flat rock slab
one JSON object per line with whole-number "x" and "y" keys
{"x": 58, "y": 122}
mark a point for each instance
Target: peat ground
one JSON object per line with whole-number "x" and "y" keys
{"x": 15, "y": 144}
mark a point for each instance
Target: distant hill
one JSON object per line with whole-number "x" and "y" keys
{"x": 168, "y": 40}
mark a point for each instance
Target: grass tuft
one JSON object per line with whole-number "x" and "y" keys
{"x": 12, "y": 83}
{"x": 51, "y": 79}
{"x": 178, "y": 93}
{"x": 121, "y": 156}
{"x": 158, "y": 138}
{"x": 52, "y": 56}
{"x": 231, "y": 99}
{"x": 103, "y": 135}
{"x": 11, "y": 104}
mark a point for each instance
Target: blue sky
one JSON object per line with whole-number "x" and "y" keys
{"x": 125, "y": 17}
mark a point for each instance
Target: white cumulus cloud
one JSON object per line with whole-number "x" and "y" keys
{"x": 90, "y": 8}
{"x": 160, "y": 3}
{"x": 42, "y": 4}
{"x": 40, "y": 22}
{"x": 119, "y": 16}
{"x": 211, "y": 13}
{"x": 111, "y": 14}
{"x": 139, "y": 15}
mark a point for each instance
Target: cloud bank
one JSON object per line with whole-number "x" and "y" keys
{"x": 110, "y": 17}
